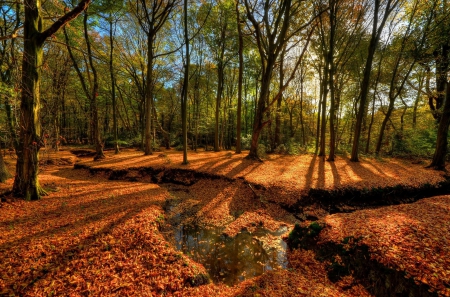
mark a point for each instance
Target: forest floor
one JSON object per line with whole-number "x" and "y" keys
{"x": 102, "y": 228}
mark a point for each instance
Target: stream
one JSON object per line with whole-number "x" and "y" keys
{"x": 228, "y": 260}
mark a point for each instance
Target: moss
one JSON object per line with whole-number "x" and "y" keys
{"x": 303, "y": 236}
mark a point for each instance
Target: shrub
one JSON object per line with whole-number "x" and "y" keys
{"x": 246, "y": 141}
{"x": 281, "y": 149}
{"x": 262, "y": 151}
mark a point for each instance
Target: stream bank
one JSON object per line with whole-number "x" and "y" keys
{"x": 315, "y": 205}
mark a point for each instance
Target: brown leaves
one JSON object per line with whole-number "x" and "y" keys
{"x": 412, "y": 237}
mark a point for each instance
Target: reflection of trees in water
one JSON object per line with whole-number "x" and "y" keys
{"x": 228, "y": 259}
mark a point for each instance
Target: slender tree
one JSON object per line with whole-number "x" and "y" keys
{"x": 184, "y": 95}
{"x": 151, "y": 15}
{"x": 240, "y": 78}
{"x": 381, "y": 12}
{"x": 273, "y": 27}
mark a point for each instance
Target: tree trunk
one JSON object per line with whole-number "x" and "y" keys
{"x": 184, "y": 97}
{"x": 148, "y": 143}
{"x": 416, "y": 102}
{"x": 324, "y": 96}
{"x": 277, "y": 137}
{"x": 330, "y": 59}
{"x": 218, "y": 101}
{"x": 4, "y": 173}
{"x": 240, "y": 77}
{"x": 113, "y": 87}
{"x": 94, "y": 109}
{"x": 258, "y": 123}
{"x": 365, "y": 85}
{"x": 440, "y": 152}
{"x": 26, "y": 183}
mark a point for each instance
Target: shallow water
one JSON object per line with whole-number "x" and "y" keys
{"x": 231, "y": 259}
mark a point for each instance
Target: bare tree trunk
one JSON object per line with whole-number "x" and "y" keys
{"x": 333, "y": 12}
{"x": 184, "y": 97}
{"x": 94, "y": 110}
{"x": 365, "y": 85}
{"x": 440, "y": 152}
{"x": 148, "y": 143}
{"x": 240, "y": 77}
{"x": 277, "y": 138}
{"x": 113, "y": 86}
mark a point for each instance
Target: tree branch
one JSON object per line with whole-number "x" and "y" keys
{"x": 13, "y": 35}
{"x": 82, "y": 6}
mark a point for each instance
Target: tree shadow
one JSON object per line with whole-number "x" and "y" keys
{"x": 52, "y": 239}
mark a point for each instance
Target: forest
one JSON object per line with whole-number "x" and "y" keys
{"x": 307, "y": 139}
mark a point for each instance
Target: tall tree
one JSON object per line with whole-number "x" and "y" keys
{"x": 26, "y": 182}
{"x": 151, "y": 15}
{"x": 240, "y": 78}
{"x": 184, "y": 95}
{"x": 382, "y": 9}
{"x": 273, "y": 26}
{"x": 402, "y": 67}
{"x": 441, "y": 55}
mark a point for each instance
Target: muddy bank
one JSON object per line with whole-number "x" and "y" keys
{"x": 350, "y": 258}
{"x": 344, "y": 199}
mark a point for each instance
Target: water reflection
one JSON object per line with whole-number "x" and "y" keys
{"x": 231, "y": 259}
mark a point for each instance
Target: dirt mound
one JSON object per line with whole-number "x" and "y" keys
{"x": 58, "y": 161}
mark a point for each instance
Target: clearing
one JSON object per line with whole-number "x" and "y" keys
{"x": 134, "y": 225}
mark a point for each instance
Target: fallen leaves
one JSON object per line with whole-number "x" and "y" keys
{"x": 92, "y": 236}
{"x": 411, "y": 237}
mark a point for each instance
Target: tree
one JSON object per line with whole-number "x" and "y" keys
{"x": 273, "y": 26}
{"x": 26, "y": 182}
{"x": 240, "y": 78}
{"x": 402, "y": 67}
{"x": 378, "y": 23}
{"x": 90, "y": 87}
{"x": 184, "y": 93}
{"x": 151, "y": 17}
{"x": 441, "y": 55}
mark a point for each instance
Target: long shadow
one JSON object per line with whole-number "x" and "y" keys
{"x": 336, "y": 176}
{"x": 243, "y": 167}
{"x": 363, "y": 173}
{"x": 321, "y": 173}
{"x": 61, "y": 259}
{"x": 110, "y": 205}
{"x": 310, "y": 172}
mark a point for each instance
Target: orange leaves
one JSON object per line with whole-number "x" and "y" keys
{"x": 409, "y": 237}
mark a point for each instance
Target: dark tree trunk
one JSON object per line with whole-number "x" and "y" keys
{"x": 184, "y": 97}
{"x": 440, "y": 152}
{"x": 113, "y": 86}
{"x": 94, "y": 109}
{"x": 26, "y": 182}
{"x": 148, "y": 142}
{"x": 240, "y": 77}
{"x": 218, "y": 101}
{"x": 333, "y": 13}
{"x": 277, "y": 136}
{"x": 4, "y": 173}
{"x": 365, "y": 85}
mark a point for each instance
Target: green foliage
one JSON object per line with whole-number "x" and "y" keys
{"x": 262, "y": 151}
{"x": 414, "y": 143}
{"x": 294, "y": 148}
{"x": 301, "y": 236}
{"x": 281, "y": 149}
{"x": 246, "y": 141}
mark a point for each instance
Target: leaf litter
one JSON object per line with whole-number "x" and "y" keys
{"x": 92, "y": 236}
